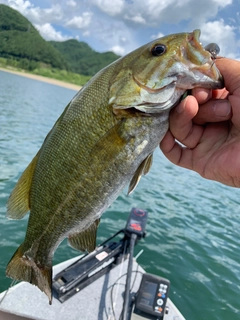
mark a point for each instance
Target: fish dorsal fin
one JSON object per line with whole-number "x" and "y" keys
{"x": 18, "y": 203}
{"x": 142, "y": 170}
{"x": 85, "y": 240}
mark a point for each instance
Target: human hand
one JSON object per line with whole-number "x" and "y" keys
{"x": 208, "y": 125}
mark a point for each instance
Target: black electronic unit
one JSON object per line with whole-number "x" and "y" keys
{"x": 152, "y": 296}
{"x": 137, "y": 222}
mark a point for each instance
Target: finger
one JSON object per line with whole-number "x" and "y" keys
{"x": 229, "y": 70}
{"x": 235, "y": 114}
{"x": 201, "y": 94}
{"x": 213, "y": 111}
{"x": 181, "y": 125}
{"x": 220, "y": 93}
{"x": 176, "y": 153}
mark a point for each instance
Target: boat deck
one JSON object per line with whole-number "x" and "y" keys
{"x": 101, "y": 300}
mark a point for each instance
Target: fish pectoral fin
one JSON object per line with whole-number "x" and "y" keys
{"x": 109, "y": 146}
{"x": 142, "y": 170}
{"x": 85, "y": 240}
{"x": 18, "y": 203}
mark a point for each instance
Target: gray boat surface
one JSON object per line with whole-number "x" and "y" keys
{"x": 94, "y": 302}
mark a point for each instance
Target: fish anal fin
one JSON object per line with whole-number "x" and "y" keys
{"x": 142, "y": 170}
{"x": 85, "y": 240}
{"x": 18, "y": 203}
{"x": 23, "y": 268}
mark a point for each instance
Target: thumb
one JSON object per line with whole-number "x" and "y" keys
{"x": 230, "y": 70}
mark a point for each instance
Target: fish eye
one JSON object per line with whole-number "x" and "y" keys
{"x": 158, "y": 50}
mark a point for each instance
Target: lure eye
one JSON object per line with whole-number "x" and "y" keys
{"x": 158, "y": 50}
{"x": 214, "y": 49}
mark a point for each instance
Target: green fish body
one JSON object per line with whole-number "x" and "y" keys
{"x": 104, "y": 139}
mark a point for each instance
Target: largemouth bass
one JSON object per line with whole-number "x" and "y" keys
{"x": 104, "y": 138}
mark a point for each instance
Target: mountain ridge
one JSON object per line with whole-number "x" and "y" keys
{"x": 22, "y": 46}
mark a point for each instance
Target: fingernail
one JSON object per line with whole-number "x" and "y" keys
{"x": 181, "y": 107}
{"x": 222, "y": 108}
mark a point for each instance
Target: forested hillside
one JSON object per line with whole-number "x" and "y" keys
{"x": 83, "y": 59}
{"x": 21, "y": 41}
{"x": 22, "y": 46}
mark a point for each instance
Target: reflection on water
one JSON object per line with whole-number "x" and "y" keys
{"x": 192, "y": 232}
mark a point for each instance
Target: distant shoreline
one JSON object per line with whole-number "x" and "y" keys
{"x": 43, "y": 79}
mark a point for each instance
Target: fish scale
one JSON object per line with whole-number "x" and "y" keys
{"x": 103, "y": 140}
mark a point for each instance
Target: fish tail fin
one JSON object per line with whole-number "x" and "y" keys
{"x": 20, "y": 267}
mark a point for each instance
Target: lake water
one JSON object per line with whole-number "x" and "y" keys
{"x": 193, "y": 227}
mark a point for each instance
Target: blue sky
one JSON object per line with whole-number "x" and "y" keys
{"x": 123, "y": 25}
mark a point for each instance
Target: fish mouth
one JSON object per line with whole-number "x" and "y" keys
{"x": 201, "y": 79}
{"x": 208, "y": 78}
{"x": 150, "y": 90}
{"x": 205, "y": 71}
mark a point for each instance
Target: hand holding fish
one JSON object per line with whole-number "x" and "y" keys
{"x": 208, "y": 125}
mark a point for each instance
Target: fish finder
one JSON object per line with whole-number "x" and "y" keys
{"x": 136, "y": 223}
{"x": 152, "y": 296}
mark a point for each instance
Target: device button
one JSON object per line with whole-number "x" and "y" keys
{"x": 162, "y": 291}
{"x": 160, "y": 302}
{"x": 158, "y": 309}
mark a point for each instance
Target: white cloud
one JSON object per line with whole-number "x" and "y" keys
{"x": 80, "y": 22}
{"x": 107, "y": 22}
{"x": 49, "y": 33}
{"x": 123, "y": 39}
{"x": 71, "y": 3}
{"x": 173, "y": 11}
{"x": 110, "y": 7}
{"x": 118, "y": 50}
{"x": 158, "y": 35}
{"x": 223, "y": 3}
{"x": 222, "y": 34}
{"x": 36, "y": 14}
{"x": 20, "y": 5}
{"x": 85, "y": 33}
{"x": 137, "y": 18}
{"x": 154, "y": 12}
